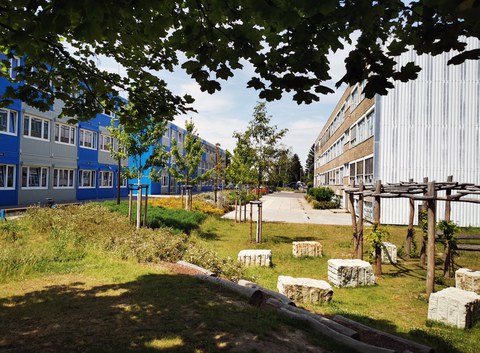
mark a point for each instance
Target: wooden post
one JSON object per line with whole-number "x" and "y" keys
{"x": 139, "y": 205}
{"x": 245, "y": 212}
{"x": 236, "y": 201}
{"x": 411, "y": 218}
{"x": 251, "y": 222}
{"x": 351, "y": 206}
{"x": 431, "y": 209}
{"x": 259, "y": 223}
{"x": 378, "y": 250}
{"x": 423, "y": 244}
{"x": 182, "y": 189}
{"x": 359, "y": 249}
{"x": 146, "y": 205}
{"x": 448, "y": 206}
{"x": 130, "y": 203}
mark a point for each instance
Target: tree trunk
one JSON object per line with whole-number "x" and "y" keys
{"x": 139, "y": 204}
{"x": 447, "y": 260}
{"x": 378, "y": 261}
{"x": 423, "y": 247}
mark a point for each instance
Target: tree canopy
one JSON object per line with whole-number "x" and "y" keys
{"x": 286, "y": 42}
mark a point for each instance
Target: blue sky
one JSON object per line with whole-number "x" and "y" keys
{"x": 220, "y": 114}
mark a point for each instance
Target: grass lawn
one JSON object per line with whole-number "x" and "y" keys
{"x": 396, "y": 304}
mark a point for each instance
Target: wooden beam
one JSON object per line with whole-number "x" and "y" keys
{"x": 378, "y": 252}
{"x": 359, "y": 248}
{"x": 423, "y": 245}
{"x": 351, "y": 206}
{"x": 411, "y": 219}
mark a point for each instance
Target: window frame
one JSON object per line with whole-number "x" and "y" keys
{"x": 42, "y": 130}
{"x": 7, "y": 167}
{"x": 104, "y": 137}
{"x": 8, "y": 126}
{"x": 44, "y": 174}
{"x": 83, "y": 133}
{"x": 109, "y": 179}
{"x": 70, "y": 178}
{"x": 92, "y": 177}
{"x": 72, "y": 134}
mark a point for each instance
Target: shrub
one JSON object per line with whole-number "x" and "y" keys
{"x": 200, "y": 204}
{"x": 321, "y": 193}
{"x": 324, "y": 205}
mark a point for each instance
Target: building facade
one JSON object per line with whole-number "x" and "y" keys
{"x": 429, "y": 127}
{"x": 43, "y": 157}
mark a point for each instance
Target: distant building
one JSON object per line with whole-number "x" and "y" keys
{"x": 43, "y": 157}
{"x": 429, "y": 127}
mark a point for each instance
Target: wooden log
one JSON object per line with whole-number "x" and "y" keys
{"x": 197, "y": 268}
{"x": 273, "y": 302}
{"x": 468, "y": 247}
{"x": 417, "y": 347}
{"x": 336, "y": 336}
{"x": 267, "y": 292}
{"x": 431, "y": 210}
{"x": 254, "y": 296}
{"x": 423, "y": 245}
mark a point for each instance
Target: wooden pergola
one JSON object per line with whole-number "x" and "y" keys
{"x": 427, "y": 192}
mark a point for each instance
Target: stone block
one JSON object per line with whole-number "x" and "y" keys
{"x": 454, "y": 307}
{"x": 305, "y": 290}
{"x": 255, "y": 257}
{"x": 389, "y": 253}
{"x": 350, "y": 273}
{"x": 307, "y": 248}
{"x": 467, "y": 279}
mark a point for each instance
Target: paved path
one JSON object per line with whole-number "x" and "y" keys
{"x": 292, "y": 207}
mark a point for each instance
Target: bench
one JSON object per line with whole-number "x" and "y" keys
{"x": 468, "y": 246}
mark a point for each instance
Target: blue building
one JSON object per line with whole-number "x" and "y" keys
{"x": 43, "y": 157}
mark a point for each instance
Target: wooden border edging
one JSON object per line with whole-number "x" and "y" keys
{"x": 336, "y": 336}
{"x": 197, "y": 268}
{"x": 267, "y": 292}
{"x": 272, "y": 302}
{"x": 254, "y": 296}
{"x": 420, "y": 348}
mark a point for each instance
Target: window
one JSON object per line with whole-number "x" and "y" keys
{"x": 34, "y": 177}
{"x": 164, "y": 180}
{"x": 106, "y": 142}
{"x": 36, "y": 127}
{"x": 123, "y": 181}
{"x": 86, "y": 178}
{"x": 106, "y": 179}
{"x": 14, "y": 63}
{"x": 8, "y": 122}
{"x": 368, "y": 178}
{"x": 65, "y": 134}
{"x": 63, "y": 178}
{"x": 353, "y": 135}
{"x": 88, "y": 139}
{"x": 7, "y": 176}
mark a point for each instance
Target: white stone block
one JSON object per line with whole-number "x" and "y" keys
{"x": 306, "y": 248}
{"x": 389, "y": 253}
{"x": 350, "y": 273}
{"x": 305, "y": 290}
{"x": 454, "y": 307}
{"x": 467, "y": 279}
{"x": 255, "y": 257}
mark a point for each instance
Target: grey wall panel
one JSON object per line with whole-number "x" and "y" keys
{"x": 431, "y": 127}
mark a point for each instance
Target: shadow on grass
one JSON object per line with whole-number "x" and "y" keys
{"x": 168, "y": 313}
{"x": 436, "y": 341}
{"x": 208, "y": 234}
{"x": 401, "y": 270}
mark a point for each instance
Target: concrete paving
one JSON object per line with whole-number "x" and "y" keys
{"x": 290, "y": 207}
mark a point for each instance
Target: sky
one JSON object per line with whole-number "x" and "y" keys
{"x": 220, "y": 114}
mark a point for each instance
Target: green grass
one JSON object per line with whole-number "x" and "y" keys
{"x": 397, "y": 303}
{"x": 158, "y": 217}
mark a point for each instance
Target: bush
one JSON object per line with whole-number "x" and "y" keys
{"x": 324, "y": 205}
{"x": 200, "y": 204}
{"x": 321, "y": 193}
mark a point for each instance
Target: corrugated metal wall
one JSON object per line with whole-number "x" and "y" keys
{"x": 431, "y": 127}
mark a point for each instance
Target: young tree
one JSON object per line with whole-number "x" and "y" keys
{"x": 145, "y": 149}
{"x": 218, "y": 171}
{"x": 185, "y": 162}
{"x": 262, "y": 139}
{"x": 288, "y": 46}
{"x": 296, "y": 170}
{"x": 240, "y": 168}
{"x": 309, "y": 166}
{"x": 279, "y": 174}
